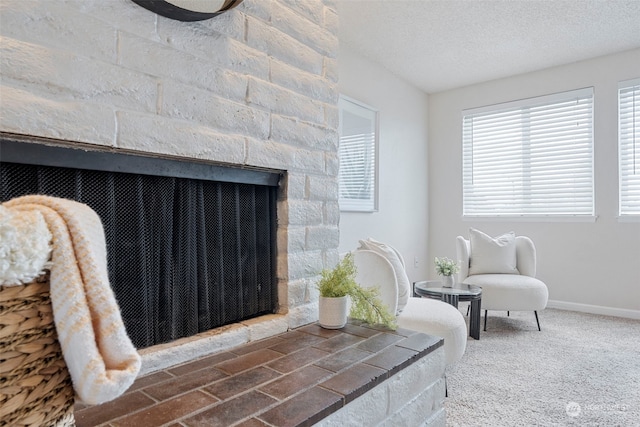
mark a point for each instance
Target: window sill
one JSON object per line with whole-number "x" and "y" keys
{"x": 532, "y": 218}
{"x": 628, "y": 218}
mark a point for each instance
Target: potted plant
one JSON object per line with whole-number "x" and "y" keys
{"x": 446, "y": 268}
{"x": 337, "y": 287}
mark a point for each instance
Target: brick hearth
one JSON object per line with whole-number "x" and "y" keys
{"x": 293, "y": 379}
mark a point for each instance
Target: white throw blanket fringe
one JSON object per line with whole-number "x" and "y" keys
{"x": 101, "y": 359}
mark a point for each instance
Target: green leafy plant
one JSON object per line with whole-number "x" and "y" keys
{"x": 340, "y": 281}
{"x": 446, "y": 266}
{"x": 366, "y": 304}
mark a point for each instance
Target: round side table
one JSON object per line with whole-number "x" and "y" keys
{"x": 460, "y": 292}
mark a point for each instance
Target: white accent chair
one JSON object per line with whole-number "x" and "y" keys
{"x": 519, "y": 291}
{"x": 426, "y": 315}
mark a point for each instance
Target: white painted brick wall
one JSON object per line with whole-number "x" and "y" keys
{"x": 156, "y": 134}
{"x": 320, "y": 188}
{"x": 298, "y": 133}
{"x": 412, "y": 397}
{"x": 321, "y": 237}
{"x": 266, "y": 38}
{"x": 91, "y": 121}
{"x": 296, "y": 185}
{"x": 331, "y": 213}
{"x": 89, "y": 36}
{"x": 303, "y": 82}
{"x": 256, "y": 86}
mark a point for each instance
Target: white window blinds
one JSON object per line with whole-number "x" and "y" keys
{"x": 629, "y": 146}
{"x": 357, "y": 153}
{"x": 531, "y": 157}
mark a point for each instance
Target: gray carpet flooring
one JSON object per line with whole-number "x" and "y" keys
{"x": 581, "y": 370}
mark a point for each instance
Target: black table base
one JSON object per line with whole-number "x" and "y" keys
{"x": 475, "y": 302}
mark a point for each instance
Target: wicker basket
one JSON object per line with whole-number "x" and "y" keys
{"x": 35, "y": 386}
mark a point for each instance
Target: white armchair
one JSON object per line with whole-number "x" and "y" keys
{"x": 505, "y": 269}
{"x": 426, "y": 315}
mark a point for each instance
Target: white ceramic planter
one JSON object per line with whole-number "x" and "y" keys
{"x": 332, "y": 312}
{"x": 448, "y": 281}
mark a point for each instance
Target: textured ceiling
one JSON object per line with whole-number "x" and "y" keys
{"x": 439, "y": 45}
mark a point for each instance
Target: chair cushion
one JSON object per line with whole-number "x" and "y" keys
{"x": 401, "y": 275}
{"x": 492, "y": 255}
{"x": 435, "y": 317}
{"x": 510, "y": 292}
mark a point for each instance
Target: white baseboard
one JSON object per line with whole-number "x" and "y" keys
{"x": 594, "y": 309}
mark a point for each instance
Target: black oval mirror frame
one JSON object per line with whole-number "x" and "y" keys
{"x": 169, "y": 10}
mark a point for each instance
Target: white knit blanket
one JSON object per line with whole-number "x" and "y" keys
{"x": 25, "y": 246}
{"x": 101, "y": 359}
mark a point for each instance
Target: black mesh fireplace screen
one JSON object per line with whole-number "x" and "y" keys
{"x": 184, "y": 255}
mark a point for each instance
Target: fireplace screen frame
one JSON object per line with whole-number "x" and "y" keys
{"x": 260, "y": 292}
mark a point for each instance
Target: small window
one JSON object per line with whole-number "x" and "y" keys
{"x": 358, "y": 156}
{"x": 532, "y": 157}
{"x": 629, "y": 147}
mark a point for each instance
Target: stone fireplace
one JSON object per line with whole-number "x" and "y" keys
{"x": 254, "y": 88}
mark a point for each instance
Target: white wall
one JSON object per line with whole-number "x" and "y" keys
{"x": 402, "y": 217}
{"x": 588, "y": 266}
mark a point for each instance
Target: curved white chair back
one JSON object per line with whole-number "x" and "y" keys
{"x": 463, "y": 253}
{"x": 399, "y": 257}
{"x": 525, "y": 256}
{"x": 375, "y": 271}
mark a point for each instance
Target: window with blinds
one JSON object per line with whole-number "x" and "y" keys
{"x": 358, "y": 156}
{"x": 531, "y": 157}
{"x": 629, "y": 146}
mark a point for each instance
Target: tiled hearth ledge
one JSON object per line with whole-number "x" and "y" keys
{"x": 357, "y": 375}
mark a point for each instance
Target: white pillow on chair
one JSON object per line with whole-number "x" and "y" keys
{"x": 490, "y": 255}
{"x": 401, "y": 275}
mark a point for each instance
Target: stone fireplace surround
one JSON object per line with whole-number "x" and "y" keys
{"x": 300, "y": 377}
{"x": 254, "y": 87}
